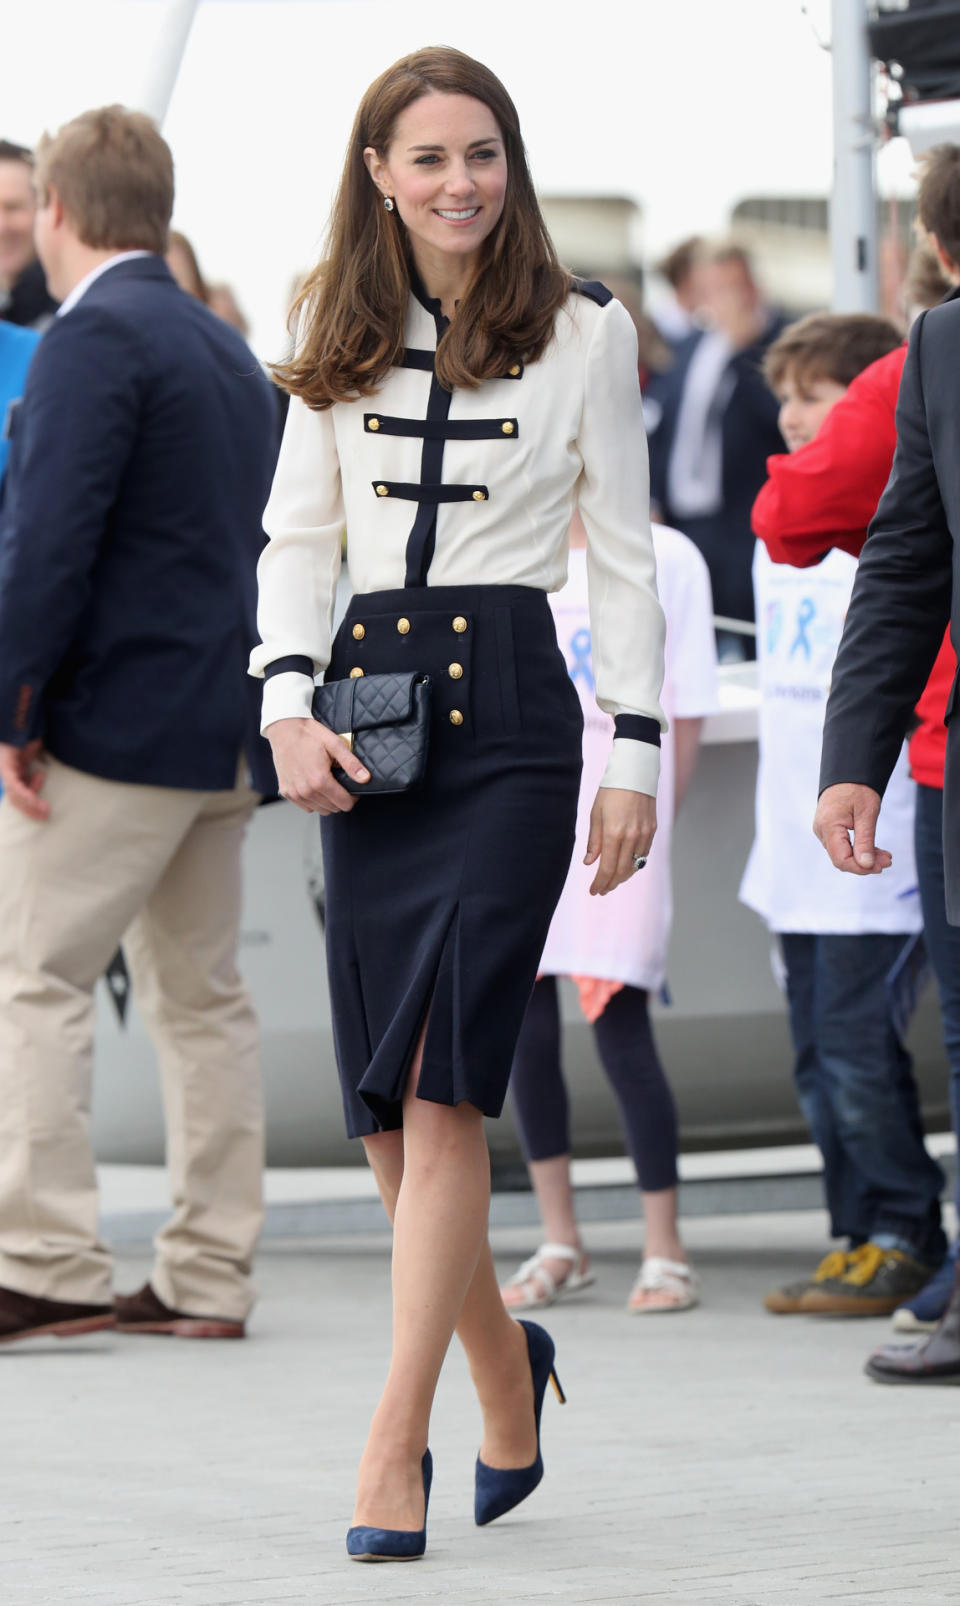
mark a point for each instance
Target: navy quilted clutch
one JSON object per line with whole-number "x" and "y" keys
{"x": 385, "y": 719}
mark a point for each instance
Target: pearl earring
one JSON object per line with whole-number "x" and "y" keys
{"x": 388, "y": 202}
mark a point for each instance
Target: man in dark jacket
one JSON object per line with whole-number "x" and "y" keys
{"x": 712, "y": 424}
{"x": 907, "y": 591}
{"x": 140, "y": 459}
{"x": 24, "y": 297}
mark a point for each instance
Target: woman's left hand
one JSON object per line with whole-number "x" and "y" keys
{"x": 622, "y": 827}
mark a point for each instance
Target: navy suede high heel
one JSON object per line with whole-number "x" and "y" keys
{"x": 498, "y": 1490}
{"x": 394, "y": 1544}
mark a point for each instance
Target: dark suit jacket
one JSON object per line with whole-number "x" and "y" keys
{"x": 907, "y": 586}
{"x": 140, "y": 463}
{"x": 749, "y": 435}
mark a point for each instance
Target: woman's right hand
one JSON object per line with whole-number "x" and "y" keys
{"x": 304, "y": 754}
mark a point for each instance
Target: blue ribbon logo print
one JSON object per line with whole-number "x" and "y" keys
{"x": 580, "y": 666}
{"x": 806, "y": 613}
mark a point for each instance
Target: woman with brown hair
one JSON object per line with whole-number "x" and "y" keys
{"x": 454, "y": 392}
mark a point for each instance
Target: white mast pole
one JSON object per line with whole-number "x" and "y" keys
{"x": 162, "y": 73}
{"x": 853, "y": 215}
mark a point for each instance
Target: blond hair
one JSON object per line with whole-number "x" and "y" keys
{"x": 113, "y": 174}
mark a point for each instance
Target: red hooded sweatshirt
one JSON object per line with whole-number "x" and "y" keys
{"x": 825, "y": 495}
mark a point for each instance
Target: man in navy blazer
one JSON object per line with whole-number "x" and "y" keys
{"x": 140, "y": 461}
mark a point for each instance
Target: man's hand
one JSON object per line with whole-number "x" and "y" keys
{"x": 847, "y": 811}
{"x": 304, "y": 753}
{"x": 622, "y": 824}
{"x": 22, "y": 776}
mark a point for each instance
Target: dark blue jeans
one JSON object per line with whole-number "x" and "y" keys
{"x": 855, "y": 1085}
{"x": 943, "y": 940}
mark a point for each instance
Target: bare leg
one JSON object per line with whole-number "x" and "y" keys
{"x": 389, "y": 1486}
{"x": 554, "y": 1191}
{"x": 661, "y": 1236}
{"x": 440, "y": 1221}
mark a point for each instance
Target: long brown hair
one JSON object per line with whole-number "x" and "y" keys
{"x": 353, "y": 304}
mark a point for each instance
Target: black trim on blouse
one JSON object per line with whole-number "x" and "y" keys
{"x": 430, "y": 496}
{"x": 434, "y": 430}
{"x": 446, "y": 429}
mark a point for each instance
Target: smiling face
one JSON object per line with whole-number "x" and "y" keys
{"x": 446, "y": 171}
{"x": 804, "y": 404}
{"x": 16, "y": 220}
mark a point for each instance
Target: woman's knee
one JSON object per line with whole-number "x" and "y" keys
{"x": 435, "y": 1133}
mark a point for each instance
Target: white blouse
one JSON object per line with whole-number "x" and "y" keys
{"x": 517, "y": 455}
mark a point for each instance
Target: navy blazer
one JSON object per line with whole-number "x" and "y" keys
{"x": 140, "y": 463}
{"x": 907, "y": 589}
{"x": 749, "y": 435}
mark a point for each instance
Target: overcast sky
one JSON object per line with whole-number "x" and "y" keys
{"x": 684, "y": 105}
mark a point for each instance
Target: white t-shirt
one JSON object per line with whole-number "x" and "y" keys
{"x": 789, "y": 879}
{"x": 624, "y": 936}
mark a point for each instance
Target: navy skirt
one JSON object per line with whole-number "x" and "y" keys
{"x": 439, "y": 900}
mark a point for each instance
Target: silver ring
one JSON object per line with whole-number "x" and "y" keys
{"x": 638, "y": 861}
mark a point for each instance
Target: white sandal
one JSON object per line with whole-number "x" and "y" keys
{"x": 673, "y": 1283}
{"x": 536, "y": 1283}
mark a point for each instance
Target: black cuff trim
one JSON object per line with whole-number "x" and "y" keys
{"x": 430, "y": 493}
{"x": 284, "y": 666}
{"x": 638, "y": 728}
{"x": 443, "y": 429}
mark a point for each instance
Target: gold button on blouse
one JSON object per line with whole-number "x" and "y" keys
{"x": 382, "y": 490}
{"x": 456, "y": 718}
{"x": 358, "y": 632}
{"x": 403, "y": 625}
{"x": 479, "y": 496}
{"x": 374, "y": 423}
{"x": 455, "y": 671}
{"x": 514, "y": 371}
{"x": 459, "y": 624}
{"x": 355, "y": 674}
{"x": 507, "y": 427}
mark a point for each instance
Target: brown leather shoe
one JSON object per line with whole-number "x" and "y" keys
{"x": 24, "y": 1316}
{"x": 935, "y": 1360}
{"x": 144, "y": 1312}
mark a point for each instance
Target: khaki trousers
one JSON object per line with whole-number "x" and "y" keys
{"x": 158, "y": 868}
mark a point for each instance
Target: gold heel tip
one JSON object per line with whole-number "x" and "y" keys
{"x": 558, "y": 1391}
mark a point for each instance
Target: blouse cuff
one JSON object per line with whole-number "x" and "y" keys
{"x": 286, "y": 696}
{"x": 634, "y": 766}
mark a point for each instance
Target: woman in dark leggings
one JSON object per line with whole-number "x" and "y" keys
{"x": 616, "y": 956}
{"x": 629, "y": 1056}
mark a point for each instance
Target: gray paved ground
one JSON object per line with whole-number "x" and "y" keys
{"x": 720, "y": 1456}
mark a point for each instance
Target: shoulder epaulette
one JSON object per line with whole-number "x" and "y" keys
{"x": 593, "y": 290}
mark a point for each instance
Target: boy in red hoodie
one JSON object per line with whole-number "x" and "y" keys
{"x": 824, "y": 496}
{"x": 839, "y": 943}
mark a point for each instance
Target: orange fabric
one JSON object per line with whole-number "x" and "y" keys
{"x": 595, "y": 994}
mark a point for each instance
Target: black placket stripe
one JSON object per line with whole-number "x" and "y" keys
{"x": 422, "y": 539}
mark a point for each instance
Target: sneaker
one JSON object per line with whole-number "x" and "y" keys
{"x": 788, "y": 1301}
{"x": 879, "y": 1281}
{"x": 922, "y": 1313}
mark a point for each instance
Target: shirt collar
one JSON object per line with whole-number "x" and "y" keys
{"x": 80, "y": 290}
